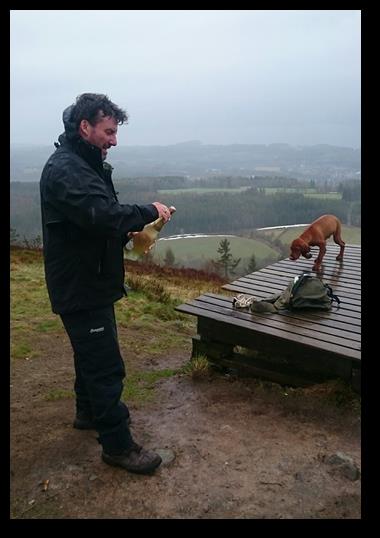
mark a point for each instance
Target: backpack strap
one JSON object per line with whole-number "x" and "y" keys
{"x": 330, "y": 293}
{"x": 298, "y": 281}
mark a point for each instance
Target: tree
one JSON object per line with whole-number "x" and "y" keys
{"x": 169, "y": 257}
{"x": 35, "y": 243}
{"x": 226, "y": 262}
{"x": 351, "y": 190}
{"x": 251, "y": 264}
{"x": 14, "y": 237}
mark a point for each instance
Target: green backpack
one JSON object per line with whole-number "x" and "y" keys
{"x": 309, "y": 291}
{"x": 305, "y": 291}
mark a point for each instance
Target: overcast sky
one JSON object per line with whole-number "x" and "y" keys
{"x": 218, "y": 76}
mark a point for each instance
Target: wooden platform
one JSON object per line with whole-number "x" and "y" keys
{"x": 291, "y": 347}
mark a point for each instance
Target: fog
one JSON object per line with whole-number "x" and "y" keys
{"x": 217, "y": 76}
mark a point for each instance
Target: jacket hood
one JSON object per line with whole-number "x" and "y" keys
{"x": 70, "y": 127}
{"x": 70, "y": 134}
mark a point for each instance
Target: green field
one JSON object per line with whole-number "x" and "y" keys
{"x": 350, "y": 234}
{"x": 324, "y": 196}
{"x": 196, "y": 251}
{"x": 199, "y": 190}
{"x": 273, "y": 190}
{"x": 310, "y": 193}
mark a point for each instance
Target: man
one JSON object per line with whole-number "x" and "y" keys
{"x": 84, "y": 231}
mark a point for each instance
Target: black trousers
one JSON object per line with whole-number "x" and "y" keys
{"x": 99, "y": 370}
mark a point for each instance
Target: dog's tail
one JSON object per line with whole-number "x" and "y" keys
{"x": 338, "y": 233}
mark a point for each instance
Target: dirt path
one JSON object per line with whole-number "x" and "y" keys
{"x": 243, "y": 449}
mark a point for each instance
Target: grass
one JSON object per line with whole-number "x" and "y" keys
{"x": 199, "y": 190}
{"x": 153, "y": 327}
{"x": 182, "y": 285}
{"x": 351, "y": 234}
{"x": 21, "y": 349}
{"x": 48, "y": 325}
{"x": 333, "y": 394}
{"x": 309, "y": 193}
{"x": 151, "y": 304}
{"x": 197, "y": 251}
{"x": 43, "y": 507}
{"x": 198, "y": 367}
{"x": 59, "y": 394}
{"x": 139, "y": 386}
{"x": 148, "y": 326}
{"x": 30, "y": 307}
{"x": 324, "y": 195}
{"x": 151, "y": 288}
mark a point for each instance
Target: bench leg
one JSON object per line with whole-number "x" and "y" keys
{"x": 356, "y": 380}
{"x": 210, "y": 348}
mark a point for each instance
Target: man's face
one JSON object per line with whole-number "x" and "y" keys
{"x": 102, "y": 135}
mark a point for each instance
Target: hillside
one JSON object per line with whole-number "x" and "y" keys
{"x": 267, "y": 246}
{"x": 234, "y": 448}
{"x": 285, "y": 235}
{"x": 197, "y": 252}
{"x": 222, "y": 205}
{"x": 195, "y": 159}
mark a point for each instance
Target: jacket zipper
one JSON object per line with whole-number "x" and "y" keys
{"x": 101, "y": 261}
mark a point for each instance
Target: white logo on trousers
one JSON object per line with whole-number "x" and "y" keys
{"x": 98, "y": 330}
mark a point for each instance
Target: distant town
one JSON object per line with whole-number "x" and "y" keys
{"x": 194, "y": 160}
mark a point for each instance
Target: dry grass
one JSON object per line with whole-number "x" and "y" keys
{"x": 198, "y": 367}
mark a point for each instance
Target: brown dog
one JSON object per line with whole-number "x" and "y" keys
{"x": 315, "y": 235}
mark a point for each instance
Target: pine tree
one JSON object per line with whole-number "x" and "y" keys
{"x": 14, "y": 237}
{"x": 251, "y": 268}
{"x": 169, "y": 257}
{"x": 226, "y": 262}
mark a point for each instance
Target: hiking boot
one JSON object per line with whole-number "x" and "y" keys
{"x": 82, "y": 422}
{"x": 136, "y": 460}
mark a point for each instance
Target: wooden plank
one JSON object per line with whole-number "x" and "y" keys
{"x": 288, "y": 273}
{"x": 283, "y": 271}
{"x": 283, "y": 373}
{"x": 328, "y": 342}
{"x": 275, "y": 348}
{"x": 295, "y": 326}
{"x": 282, "y": 335}
{"x": 328, "y": 261}
{"x": 270, "y": 279}
{"x": 255, "y": 279}
{"x": 306, "y": 266}
{"x": 349, "y": 286}
{"x": 262, "y": 291}
{"x": 336, "y": 313}
{"x": 331, "y": 317}
{"x": 241, "y": 287}
{"x": 302, "y": 317}
{"x": 352, "y": 272}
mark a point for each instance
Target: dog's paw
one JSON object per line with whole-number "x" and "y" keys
{"x": 316, "y": 268}
{"x": 339, "y": 258}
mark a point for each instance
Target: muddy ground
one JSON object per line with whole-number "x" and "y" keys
{"x": 244, "y": 449}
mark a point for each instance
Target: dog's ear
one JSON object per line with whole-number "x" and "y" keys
{"x": 306, "y": 252}
{"x": 295, "y": 249}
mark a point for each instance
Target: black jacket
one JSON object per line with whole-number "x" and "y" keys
{"x": 84, "y": 227}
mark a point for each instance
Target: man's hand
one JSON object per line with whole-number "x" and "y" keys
{"x": 163, "y": 211}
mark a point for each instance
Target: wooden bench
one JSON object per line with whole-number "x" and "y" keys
{"x": 295, "y": 348}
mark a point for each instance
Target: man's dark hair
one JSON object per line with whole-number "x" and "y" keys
{"x": 89, "y": 106}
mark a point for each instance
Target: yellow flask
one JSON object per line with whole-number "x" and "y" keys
{"x": 143, "y": 241}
